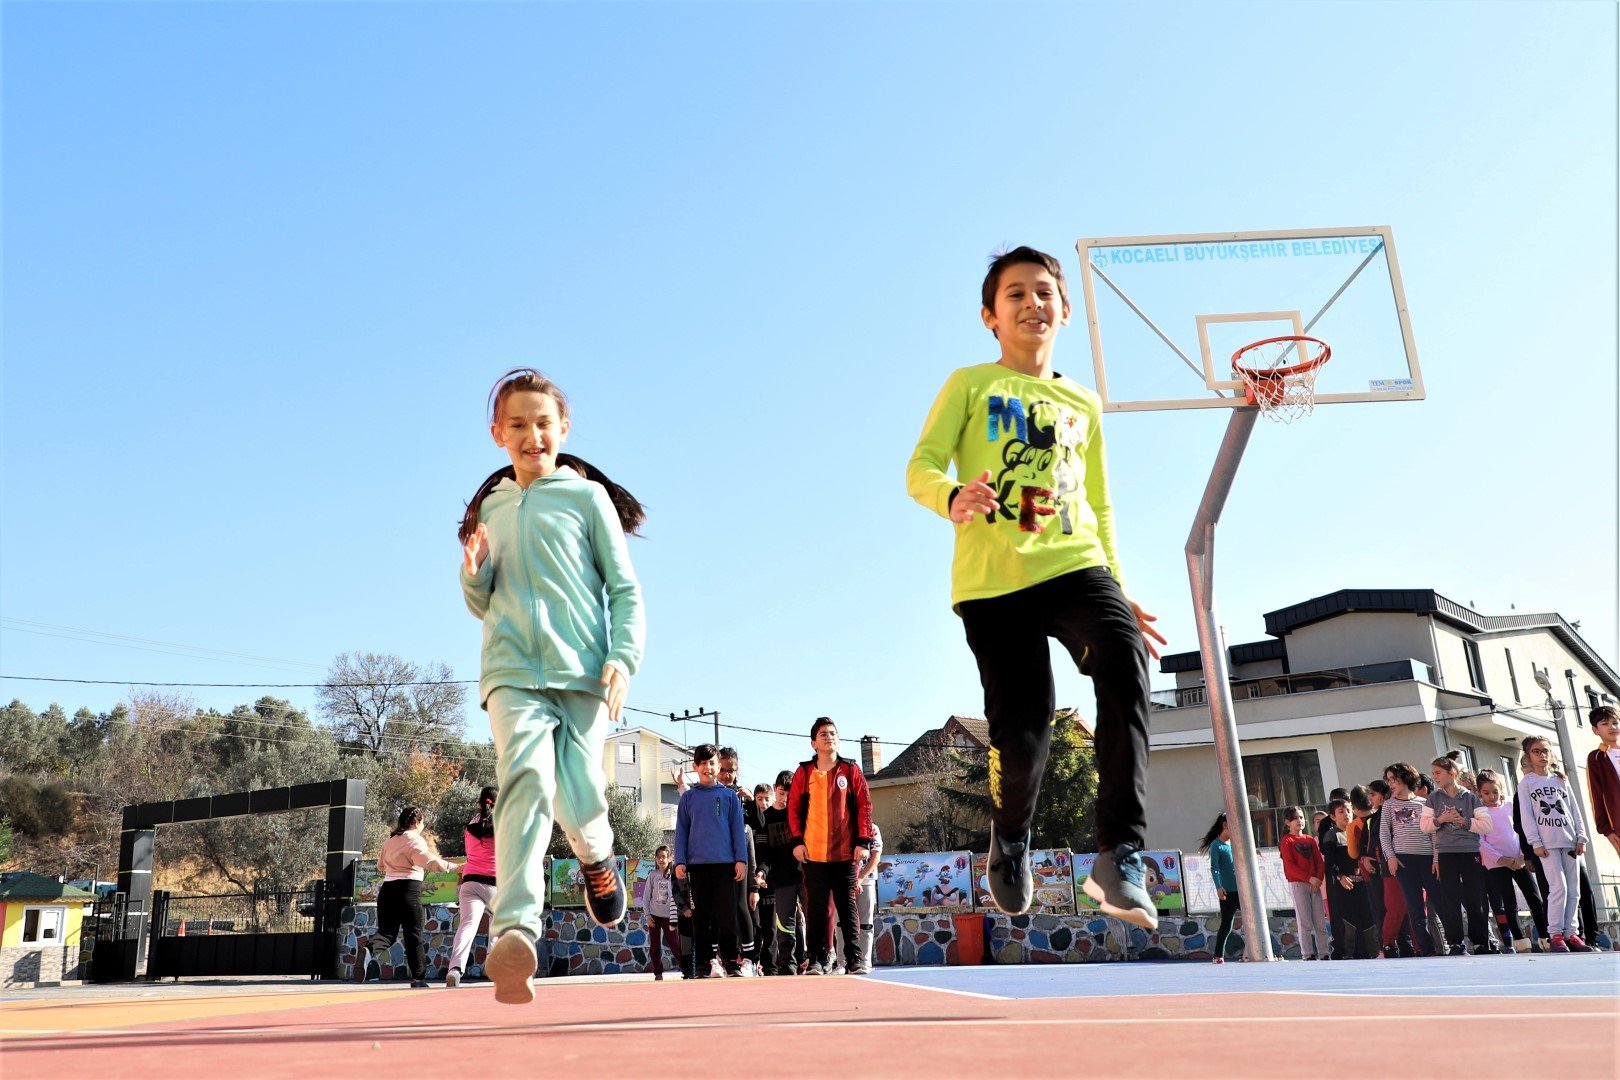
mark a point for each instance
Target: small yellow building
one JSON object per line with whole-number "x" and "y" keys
{"x": 41, "y": 926}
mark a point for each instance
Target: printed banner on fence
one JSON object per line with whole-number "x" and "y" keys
{"x": 1201, "y": 895}
{"x": 635, "y": 879}
{"x": 1054, "y": 881}
{"x": 938, "y": 881}
{"x": 437, "y": 888}
{"x": 1163, "y": 879}
{"x": 567, "y": 885}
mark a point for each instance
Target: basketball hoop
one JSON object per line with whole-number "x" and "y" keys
{"x": 1281, "y": 391}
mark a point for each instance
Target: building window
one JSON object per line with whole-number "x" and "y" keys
{"x": 1592, "y": 698}
{"x": 43, "y": 925}
{"x": 627, "y": 752}
{"x": 1470, "y": 762}
{"x": 1513, "y": 676}
{"x": 1476, "y": 670}
{"x": 1510, "y": 772}
{"x": 1278, "y": 781}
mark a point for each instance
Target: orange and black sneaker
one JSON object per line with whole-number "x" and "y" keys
{"x": 604, "y": 892}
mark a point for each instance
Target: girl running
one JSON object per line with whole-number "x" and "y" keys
{"x": 477, "y": 890}
{"x": 543, "y": 541}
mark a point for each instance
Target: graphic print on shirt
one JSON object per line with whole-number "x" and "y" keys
{"x": 1405, "y": 815}
{"x": 1044, "y": 437}
{"x": 1550, "y": 801}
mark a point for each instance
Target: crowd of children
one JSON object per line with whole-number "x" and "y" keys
{"x": 1443, "y": 864}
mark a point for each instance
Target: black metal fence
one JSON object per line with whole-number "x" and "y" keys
{"x": 261, "y": 932}
{"x": 261, "y": 911}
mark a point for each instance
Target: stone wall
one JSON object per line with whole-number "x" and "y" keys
{"x": 574, "y": 945}
{"x": 31, "y": 965}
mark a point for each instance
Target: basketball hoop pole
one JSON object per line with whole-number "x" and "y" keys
{"x": 1218, "y": 683}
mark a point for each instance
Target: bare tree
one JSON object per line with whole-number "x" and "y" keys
{"x": 384, "y": 703}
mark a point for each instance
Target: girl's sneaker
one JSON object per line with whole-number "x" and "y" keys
{"x": 1521, "y": 945}
{"x": 1558, "y": 944}
{"x": 510, "y": 966}
{"x": 1575, "y": 944}
{"x": 452, "y": 979}
{"x": 604, "y": 892}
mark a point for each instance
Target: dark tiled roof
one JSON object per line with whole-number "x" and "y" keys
{"x": 922, "y": 755}
{"x": 23, "y": 885}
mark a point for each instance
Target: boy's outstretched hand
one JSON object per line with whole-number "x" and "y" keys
{"x": 476, "y": 550}
{"x": 615, "y": 685}
{"x": 976, "y": 497}
{"x": 1149, "y": 635}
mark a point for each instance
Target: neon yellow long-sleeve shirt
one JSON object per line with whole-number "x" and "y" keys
{"x": 1041, "y": 440}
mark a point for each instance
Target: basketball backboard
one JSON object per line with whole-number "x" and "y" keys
{"x": 1166, "y": 313}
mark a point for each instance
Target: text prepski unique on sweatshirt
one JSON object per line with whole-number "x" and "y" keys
{"x": 1041, "y": 440}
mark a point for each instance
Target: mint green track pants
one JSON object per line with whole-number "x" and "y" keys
{"x": 548, "y": 746}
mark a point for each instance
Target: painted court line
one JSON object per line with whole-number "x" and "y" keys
{"x": 629, "y": 1027}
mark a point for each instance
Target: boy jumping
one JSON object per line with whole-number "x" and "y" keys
{"x": 1035, "y": 558}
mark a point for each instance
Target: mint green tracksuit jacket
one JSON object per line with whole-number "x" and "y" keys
{"x": 556, "y": 550}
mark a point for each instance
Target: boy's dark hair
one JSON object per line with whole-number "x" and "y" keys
{"x": 1407, "y": 774}
{"x": 1379, "y": 786}
{"x": 1423, "y": 784}
{"x": 703, "y": 752}
{"x": 631, "y": 513}
{"x": 1339, "y": 793}
{"x": 1359, "y": 799}
{"x": 660, "y": 847}
{"x": 1335, "y": 805}
{"x": 762, "y": 789}
{"x": 784, "y": 779}
{"x": 728, "y": 753}
{"x": 1602, "y": 713}
{"x": 821, "y": 722}
{"x": 1016, "y": 257}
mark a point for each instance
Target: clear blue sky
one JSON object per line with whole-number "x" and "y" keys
{"x": 262, "y": 261}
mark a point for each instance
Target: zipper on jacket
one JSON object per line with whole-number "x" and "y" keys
{"x": 528, "y": 577}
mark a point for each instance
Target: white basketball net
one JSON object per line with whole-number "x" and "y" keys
{"x": 1280, "y": 397}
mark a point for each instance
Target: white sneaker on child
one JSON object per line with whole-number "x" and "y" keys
{"x": 510, "y": 965}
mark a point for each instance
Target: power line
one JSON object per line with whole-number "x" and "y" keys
{"x": 127, "y": 641}
{"x": 244, "y": 685}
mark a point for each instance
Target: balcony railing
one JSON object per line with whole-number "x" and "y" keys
{"x": 1302, "y": 683}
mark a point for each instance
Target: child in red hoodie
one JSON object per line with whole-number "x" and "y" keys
{"x": 1304, "y": 869}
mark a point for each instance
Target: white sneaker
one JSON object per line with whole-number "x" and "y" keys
{"x": 715, "y": 970}
{"x": 748, "y": 969}
{"x": 453, "y": 979}
{"x": 510, "y": 965}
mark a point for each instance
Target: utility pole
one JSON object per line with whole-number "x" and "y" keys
{"x": 699, "y": 715}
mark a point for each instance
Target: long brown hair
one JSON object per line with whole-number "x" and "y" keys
{"x": 631, "y": 512}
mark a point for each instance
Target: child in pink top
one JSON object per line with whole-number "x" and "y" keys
{"x": 476, "y": 894}
{"x": 405, "y": 856}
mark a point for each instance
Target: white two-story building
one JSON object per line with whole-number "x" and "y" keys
{"x": 1350, "y": 682}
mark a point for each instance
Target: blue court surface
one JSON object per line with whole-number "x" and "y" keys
{"x": 1575, "y": 976}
